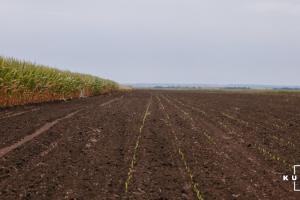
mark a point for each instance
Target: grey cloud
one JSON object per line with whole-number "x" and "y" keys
{"x": 189, "y": 41}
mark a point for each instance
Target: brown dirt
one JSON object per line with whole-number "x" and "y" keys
{"x": 152, "y": 145}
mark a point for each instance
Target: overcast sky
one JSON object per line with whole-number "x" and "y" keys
{"x": 166, "y": 41}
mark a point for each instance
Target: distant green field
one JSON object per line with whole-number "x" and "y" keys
{"x": 24, "y": 82}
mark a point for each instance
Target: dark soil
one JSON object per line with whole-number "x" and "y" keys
{"x": 152, "y": 145}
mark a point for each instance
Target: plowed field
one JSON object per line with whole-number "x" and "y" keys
{"x": 152, "y": 145}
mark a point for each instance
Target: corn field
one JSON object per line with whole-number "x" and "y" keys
{"x": 24, "y": 82}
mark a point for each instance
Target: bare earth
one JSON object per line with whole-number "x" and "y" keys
{"x": 152, "y": 145}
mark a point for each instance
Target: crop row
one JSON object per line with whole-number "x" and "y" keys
{"x": 24, "y": 82}
{"x": 134, "y": 156}
{"x": 188, "y": 116}
{"x": 194, "y": 184}
{"x": 259, "y": 148}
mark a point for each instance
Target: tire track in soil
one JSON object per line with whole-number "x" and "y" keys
{"x": 12, "y": 114}
{"x": 81, "y": 168}
{"x": 36, "y": 148}
{"x": 27, "y": 123}
{"x": 43, "y": 129}
{"x": 262, "y": 184}
{"x": 48, "y": 126}
{"x": 30, "y": 137}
